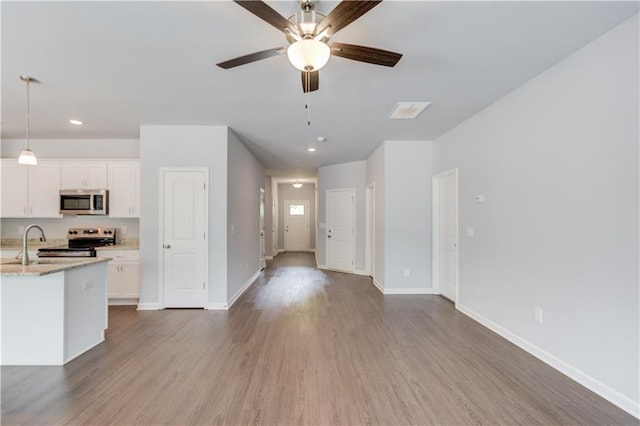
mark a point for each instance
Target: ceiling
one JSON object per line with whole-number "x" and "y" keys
{"x": 117, "y": 65}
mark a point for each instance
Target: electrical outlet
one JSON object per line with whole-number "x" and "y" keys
{"x": 538, "y": 314}
{"x": 407, "y": 272}
{"x": 470, "y": 232}
{"x": 86, "y": 285}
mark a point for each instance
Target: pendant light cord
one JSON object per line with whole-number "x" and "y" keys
{"x": 28, "y": 112}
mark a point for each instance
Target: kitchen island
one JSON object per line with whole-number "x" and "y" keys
{"x": 52, "y": 310}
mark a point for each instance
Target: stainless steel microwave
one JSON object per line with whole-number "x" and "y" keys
{"x": 84, "y": 201}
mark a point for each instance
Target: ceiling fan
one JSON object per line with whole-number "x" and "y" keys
{"x": 308, "y": 33}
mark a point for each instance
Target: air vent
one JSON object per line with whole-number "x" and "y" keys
{"x": 404, "y": 110}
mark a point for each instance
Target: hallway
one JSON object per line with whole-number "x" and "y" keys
{"x": 302, "y": 346}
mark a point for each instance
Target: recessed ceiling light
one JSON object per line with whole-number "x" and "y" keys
{"x": 404, "y": 110}
{"x": 311, "y": 149}
{"x": 76, "y": 122}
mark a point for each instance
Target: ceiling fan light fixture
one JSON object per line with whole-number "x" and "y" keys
{"x": 297, "y": 184}
{"x": 308, "y": 54}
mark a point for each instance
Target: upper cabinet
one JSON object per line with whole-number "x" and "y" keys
{"x": 83, "y": 174}
{"x": 30, "y": 191}
{"x": 124, "y": 188}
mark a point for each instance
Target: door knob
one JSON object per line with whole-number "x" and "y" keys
{"x": 328, "y": 236}
{"x": 166, "y": 245}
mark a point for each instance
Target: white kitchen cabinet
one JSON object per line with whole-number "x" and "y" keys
{"x": 30, "y": 191}
{"x": 124, "y": 188}
{"x": 83, "y": 174}
{"x": 124, "y": 274}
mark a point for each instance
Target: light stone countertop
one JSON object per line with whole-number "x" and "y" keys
{"x": 13, "y": 267}
{"x": 14, "y": 243}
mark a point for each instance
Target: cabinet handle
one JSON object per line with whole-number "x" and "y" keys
{"x": 167, "y": 246}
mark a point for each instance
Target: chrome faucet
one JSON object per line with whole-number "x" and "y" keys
{"x": 25, "y": 253}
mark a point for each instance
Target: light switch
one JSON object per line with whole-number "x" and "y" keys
{"x": 479, "y": 199}
{"x": 470, "y": 232}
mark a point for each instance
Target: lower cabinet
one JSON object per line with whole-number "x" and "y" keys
{"x": 124, "y": 275}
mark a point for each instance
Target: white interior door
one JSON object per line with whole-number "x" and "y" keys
{"x": 341, "y": 229}
{"x": 184, "y": 237}
{"x": 296, "y": 225}
{"x": 263, "y": 260}
{"x": 370, "y": 238}
{"x": 446, "y": 215}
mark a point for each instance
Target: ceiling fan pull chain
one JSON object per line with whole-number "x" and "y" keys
{"x": 307, "y": 83}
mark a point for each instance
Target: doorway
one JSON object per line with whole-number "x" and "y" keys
{"x": 183, "y": 223}
{"x": 341, "y": 229}
{"x": 263, "y": 260}
{"x": 370, "y": 227}
{"x": 296, "y": 225}
{"x": 445, "y": 234}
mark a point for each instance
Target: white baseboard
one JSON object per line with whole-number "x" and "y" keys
{"x": 624, "y": 402}
{"x": 244, "y": 288}
{"x": 279, "y": 251}
{"x": 268, "y": 257}
{"x": 321, "y": 266}
{"x": 379, "y": 285}
{"x": 364, "y": 273}
{"x": 216, "y": 306}
{"x": 149, "y": 306}
{"x": 408, "y": 291}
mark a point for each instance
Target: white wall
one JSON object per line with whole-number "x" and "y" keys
{"x": 286, "y": 191}
{"x": 342, "y": 176}
{"x": 557, "y": 162}
{"x": 268, "y": 217}
{"x": 407, "y": 170}
{"x": 173, "y": 146}
{"x": 245, "y": 177}
{"x": 376, "y": 175}
{"x": 73, "y": 148}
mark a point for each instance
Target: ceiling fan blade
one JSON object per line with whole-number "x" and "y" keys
{"x": 267, "y": 14}
{"x": 366, "y": 54}
{"x": 345, "y": 13}
{"x": 310, "y": 81}
{"x": 252, "y": 57}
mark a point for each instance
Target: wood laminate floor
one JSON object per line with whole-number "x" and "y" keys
{"x": 302, "y": 347}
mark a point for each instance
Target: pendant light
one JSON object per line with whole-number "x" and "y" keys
{"x": 27, "y": 157}
{"x": 297, "y": 184}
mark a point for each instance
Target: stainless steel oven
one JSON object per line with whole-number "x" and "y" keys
{"x": 84, "y": 201}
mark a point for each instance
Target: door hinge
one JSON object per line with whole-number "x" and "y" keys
{"x": 203, "y": 286}
{"x": 204, "y": 186}
{"x": 204, "y": 235}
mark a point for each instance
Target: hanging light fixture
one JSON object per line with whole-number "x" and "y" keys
{"x": 297, "y": 184}
{"x": 27, "y": 157}
{"x": 308, "y": 54}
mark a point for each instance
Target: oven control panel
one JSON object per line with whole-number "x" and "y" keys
{"x": 91, "y": 232}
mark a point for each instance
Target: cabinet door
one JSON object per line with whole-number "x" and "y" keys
{"x": 84, "y": 174}
{"x": 115, "y": 283}
{"x": 130, "y": 274}
{"x": 14, "y": 186}
{"x": 44, "y": 188}
{"x": 123, "y": 187}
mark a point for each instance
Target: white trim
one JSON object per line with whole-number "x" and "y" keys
{"x": 149, "y": 306}
{"x": 361, "y": 272}
{"x": 378, "y": 285}
{"x": 279, "y": 251}
{"x": 370, "y": 229}
{"x": 324, "y": 267}
{"x": 435, "y": 227}
{"x": 269, "y": 257}
{"x": 624, "y": 402}
{"x": 216, "y": 307}
{"x": 408, "y": 291}
{"x": 244, "y": 288}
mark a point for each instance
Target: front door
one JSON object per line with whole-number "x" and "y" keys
{"x": 341, "y": 229}
{"x": 184, "y": 237}
{"x": 296, "y": 225}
